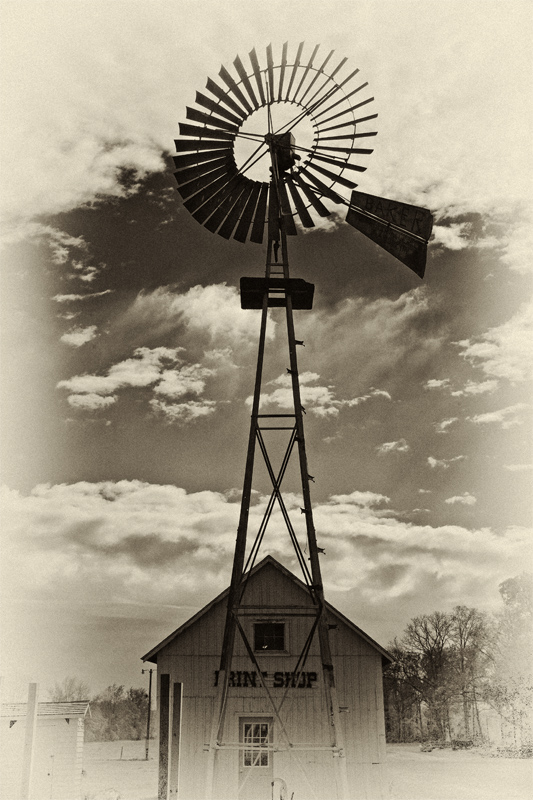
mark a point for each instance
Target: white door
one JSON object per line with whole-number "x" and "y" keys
{"x": 256, "y": 767}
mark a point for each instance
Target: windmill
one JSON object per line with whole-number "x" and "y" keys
{"x": 308, "y": 122}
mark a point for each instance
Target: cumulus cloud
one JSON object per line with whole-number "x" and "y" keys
{"x": 213, "y": 310}
{"x": 400, "y": 446}
{"x": 454, "y": 236}
{"x": 442, "y": 427}
{"x": 320, "y": 400}
{"x": 465, "y": 499}
{"x": 183, "y": 412}
{"x": 91, "y": 401}
{"x": 443, "y": 463}
{"x": 473, "y": 388}
{"x": 436, "y": 383}
{"x": 76, "y": 337}
{"x": 160, "y": 368}
{"x": 506, "y": 417}
{"x": 504, "y": 351}
{"x": 92, "y": 546}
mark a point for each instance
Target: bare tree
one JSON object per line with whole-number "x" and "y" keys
{"x": 68, "y": 690}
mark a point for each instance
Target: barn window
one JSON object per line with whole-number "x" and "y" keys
{"x": 257, "y": 737}
{"x": 269, "y": 636}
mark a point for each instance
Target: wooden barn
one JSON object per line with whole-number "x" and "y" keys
{"x": 257, "y": 761}
{"x": 55, "y": 750}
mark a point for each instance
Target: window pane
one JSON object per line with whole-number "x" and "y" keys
{"x": 257, "y": 737}
{"x": 269, "y": 636}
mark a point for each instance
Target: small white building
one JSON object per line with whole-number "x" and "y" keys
{"x": 276, "y": 616}
{"x": 57, "y": 750}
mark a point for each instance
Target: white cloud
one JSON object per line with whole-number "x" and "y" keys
{"x": 400, "y": 446}
{"x": 320, "y": 400}
{"x": 464, "y": 499}
{"x": 362, "y": 499}
{"x": 473, "y": 388}
{"x": 442, "y": 427}
{"x": 213, "y": 310}
{"x": 91, "y": 401}
{"x": 76, "y": 337}
{"x": 143, "y": 369}
{"x": 506, "y": 417}
{"x": 97, "y": 547}
{"x": 453, "y": 236}
{"x": 160, "y": 369}
{"x": 188, "y": 379}
{"x": 504, "y": 351}
{"x": 518, "y": 467}
{"x": 71, "y": 298}
{"x": 435, "y": 383}
{"x": 443, "y": 463}
{"x": 183, "y": 412}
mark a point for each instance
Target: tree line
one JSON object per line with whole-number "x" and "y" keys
{"x": 116, "y": 713}
{"x": 448, "y": 668}
{"x": 451, "y": 667}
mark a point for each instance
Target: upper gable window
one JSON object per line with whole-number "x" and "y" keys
{"x": 269, "y": 636}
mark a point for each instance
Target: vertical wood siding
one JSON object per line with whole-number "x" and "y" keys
{"x": 192, "y": 658}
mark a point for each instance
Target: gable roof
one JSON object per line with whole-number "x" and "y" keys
{"x": 68, "y": 710}
{"x": 150, "y": 656}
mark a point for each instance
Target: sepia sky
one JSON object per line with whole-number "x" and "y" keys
{"x": 127, "y": 362}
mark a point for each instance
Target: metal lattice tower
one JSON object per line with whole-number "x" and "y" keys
{"x": 220, "y": 196}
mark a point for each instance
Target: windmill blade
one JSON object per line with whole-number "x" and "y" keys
{"x": 190, "y": 159}
{"x": 286, "y": 210}
{"x": 348, "y": 123}
{"x": 325, "y": 190}
{"x": 231, "y": 220}
{"x": 399, "y": 228}
{"x": 246, "y": 81}
{"x": 206, "y": 102}
{"x": 215, "y": 89}
{"x": 317, "y": 204}
{"x": 183, "y": 145}
{"x": 208, "y": 119}
{"x": 294, "y": 69}
{"x": 232, "y": 85}
{"x": 202, "y": 212}
{"x": 187, "y": 189}
{"x": 247, "y": 215}
{"x": 201, "y": 197}
{"x": 282, "y": 69}
{"x": 311, "y": 104}
{"x": 336, "y": 162}
{"x": 226, "y": 205}
{"x": 305, "y": 217}
{"x": 197, "y": 170}
{"x": 348, "y": 150}
{"x": 332, "y": 176}
{"x": 347, "y": 110}
{"x": 205, "y": 133}
{"x": 346, "y": 97}
{"x": 306, "y": 71}
{"x": 257, "y": 75}
{"x": 258, "y": 227}
{"x": 317, "y": 75}
{"x": 270, "y": 72}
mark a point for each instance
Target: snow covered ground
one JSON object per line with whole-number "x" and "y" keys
{"x": 118, "y": 771}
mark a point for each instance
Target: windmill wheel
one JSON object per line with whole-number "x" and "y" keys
{"x": 307, "y": 113}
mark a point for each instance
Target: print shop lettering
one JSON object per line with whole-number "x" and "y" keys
{"x": 239, "y": 678}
